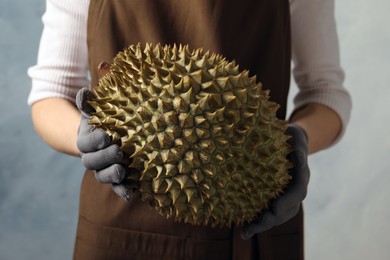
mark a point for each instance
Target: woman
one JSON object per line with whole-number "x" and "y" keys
{"x": 259, "y": 35}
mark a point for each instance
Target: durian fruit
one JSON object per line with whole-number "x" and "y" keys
{"x": 202, "y": 135}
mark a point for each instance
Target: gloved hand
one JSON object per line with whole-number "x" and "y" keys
{"x": 97, "y": 152}
{"x": 287, "y": 205}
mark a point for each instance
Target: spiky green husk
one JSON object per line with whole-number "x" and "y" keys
{"x": 203, "y": 136}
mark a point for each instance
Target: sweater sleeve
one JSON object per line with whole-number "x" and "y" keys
{"x": 316, "y": 61}
{"x": 62, "y": 65}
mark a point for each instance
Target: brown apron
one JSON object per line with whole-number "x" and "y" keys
{"x": 256, "y": 33}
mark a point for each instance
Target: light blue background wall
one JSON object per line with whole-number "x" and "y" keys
{"x": 38, "y": 187}
{"x": 347, "y": 209}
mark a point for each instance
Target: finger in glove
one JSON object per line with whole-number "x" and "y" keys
{"x": 112, "y": 174}
{"x": 83, "y": 95}
{"x": 91, "y": 139}
{"x": 123, "y": 191}
{"x": 102, "y": 158}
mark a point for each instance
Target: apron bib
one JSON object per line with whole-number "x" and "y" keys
{"x": 256, "y": 33}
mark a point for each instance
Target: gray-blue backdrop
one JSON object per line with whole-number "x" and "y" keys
{"x": 38, "y": 187}
{"x": 347, "y": 207}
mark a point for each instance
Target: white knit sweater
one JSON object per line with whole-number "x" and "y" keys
{"x": 62, "y": 67}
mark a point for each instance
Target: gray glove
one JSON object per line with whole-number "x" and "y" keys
{"x": 287, "y": 205}
{"x": 97, "y": 152}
